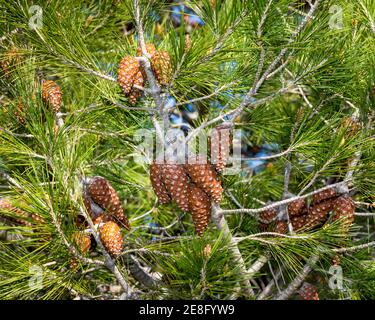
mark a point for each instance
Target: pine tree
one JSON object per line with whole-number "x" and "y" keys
{"x": 85, "y": 88}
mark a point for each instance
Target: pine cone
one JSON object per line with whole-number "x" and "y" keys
{"x": 324, "y": 195}
{"x": 110, "y": 235}
{"x": 176, "y": 182}
{"x": 344, "y": 207}
{"x": 298, "y": 222}
{"x": 266, "y": 217}
{"x": 200, "y": 207}
{"x": 281, "y": 227}
{"x": 19, "y": 113}
{"x": 82, "y": 241}
{"x": 134, "y": 92}
{"x": 204, "y": 176}
{"x": 51, "y": 94}
{"x": 220, "y": 142}
{"x": 129, "y": 74}
{"x": 318, "y": 214}
{"x": 150, "y": 48}
{"x": 158, "y": 184}
{"x": 24, "y": 217}
{"x": 297, "y": 208}
{"x": 308, "y": 292}
{"x": 105, "y": 196}
{"x": 162, "y": 67}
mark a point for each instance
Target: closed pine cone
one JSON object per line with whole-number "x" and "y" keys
{"x": 344, "y": 208}
{"x": 158, "y": 184}
{"x": 162, "y": 67}
{"x": 297, "y": 208}
{"x": 281, "y": 227}
{"x": 266, "y": 217}
{"x": 318, "y": 214}
{"x": 324, "y": 195}
{"x": 176, "y": 182}
{"x": 298, "y": 222}
{"x": 203, "y": 174}
{"x": 51, "y": 94}
{"x": 220, "y": 142}
{"x": 129, "y": 74}
{"x": 200, "y": 207}
{"x": 308, "y": 292}
{"x": 106, "y": 196}
{"x": 82, "y": 241}
{"x": 111, "y": 237}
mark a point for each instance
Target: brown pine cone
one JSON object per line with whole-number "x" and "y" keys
{"x": 158, "y": 184}
{"x": 220, "y": 142}
{"x": 129, "y": 74}
{"x": 266, "y": 217}
{"x": 281, "y": 227}
{"x": 203, "y": 174}
{"x": 20, "y": 217}
{"x": 106, "y": 196}
{"x": 297, "y": 208}
{"x": 134, "y": 92}
{"x": 162, "y": 67}
{"x": 200, "y": 207}
{"x": 111, "y": 237}
{"x": 324, "y": 195}
{"x": 82, "y": 241}
{"x": 176, "y": 182}
{"x": 308, "y": 292}
{"x": 150, "y": 48}
{"x": 318, "y": 214}
{"x": 51, "y": 94}
{"x": 344, "y": 207}
{"x": 298, "y": 222}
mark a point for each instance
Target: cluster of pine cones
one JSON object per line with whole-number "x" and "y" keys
{"x": 130, "y": 74}
{"x": 304, "y": 217}
{"x": 104, "y": 207}
{"x": 191, "y": 186}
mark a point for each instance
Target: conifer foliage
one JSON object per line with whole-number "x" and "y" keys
{"x": 187, "y": 149}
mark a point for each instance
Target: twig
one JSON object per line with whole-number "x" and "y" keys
{"x": 222, "y": 225}
{"x": 355, "y": 248}
{"x": 297, "y": 281}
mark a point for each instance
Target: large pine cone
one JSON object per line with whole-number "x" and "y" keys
{"x": 176, "y": 182}
{"x": 111, "y": 237}
{"x": 158, "y": 184}
{"x": 200, "y": 207}
{"x": 106, "y": 197}
{"x": 344, "y": 207}
{"x": 324, "y": 195}
{"x": 203, "y": 174}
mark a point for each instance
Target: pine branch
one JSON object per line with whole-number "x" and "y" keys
{"x": 222, "y": 225}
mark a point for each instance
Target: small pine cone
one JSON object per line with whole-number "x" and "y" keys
{"x": 162, "y": 67}
{"x": 11, "y": 58}
{"x": 7, "y": 206}
{"x": 297, "y": 208}
{"x": 19, "y": 113}
{"x": 158, "y": 184}
{"x": 82, "y": 241}
{"x": 110, "y": 235}
{"x": 51, "y": 94}
{"x": 352, "y": 126}
{"x": 106, "y": 196}
{"x": 187, "y": 43}
{"x": 127, "y": 73}
{"x": 200, "y": 207}
{"x": 150, "y": 48}
{"x": 207, "y": 250}
{"x": 220, "y": 142}
{"x": 176, "y": 182}
{"x": 298, "y": 222}
{"x": 203, "y": 174}
{"x": 281, "y": 227}
{"x": 318, "y": 214}
{"x": 344, "y": 207}
{"x": 308, "y": 292}
{"x": 324, "y": 195}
